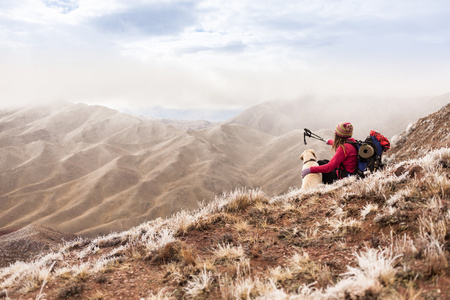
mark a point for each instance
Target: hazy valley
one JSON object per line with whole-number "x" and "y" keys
{"x": 91, "y": 170}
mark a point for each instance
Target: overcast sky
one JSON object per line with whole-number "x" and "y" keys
{"x": 220, "y": 54}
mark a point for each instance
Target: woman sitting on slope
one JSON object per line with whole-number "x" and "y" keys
{"x": 345, "y": 159}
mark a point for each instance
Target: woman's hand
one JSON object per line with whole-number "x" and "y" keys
{"x": 305, "y": 172}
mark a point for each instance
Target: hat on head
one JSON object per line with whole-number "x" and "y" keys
{"x": 344, "y": 129}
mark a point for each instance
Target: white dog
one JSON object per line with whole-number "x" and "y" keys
{"x": 313, "y": 179}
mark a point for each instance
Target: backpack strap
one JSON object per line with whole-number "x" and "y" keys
{"x": 342, "y": 172}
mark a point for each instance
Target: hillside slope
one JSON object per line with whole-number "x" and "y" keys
{"x": 431, "y": 132}
{"x": 383, "y": 237}
{"x": 28, "y": 242}
{"x": 91, "y": 170}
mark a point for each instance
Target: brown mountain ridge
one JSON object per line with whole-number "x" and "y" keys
{"x": 91, "y": 170}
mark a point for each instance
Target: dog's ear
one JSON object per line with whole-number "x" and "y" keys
{"x": 313, "y": 153}
{"x": 301, "y": 156}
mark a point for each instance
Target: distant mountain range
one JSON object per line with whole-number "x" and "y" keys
{"x": 90, "y": 170}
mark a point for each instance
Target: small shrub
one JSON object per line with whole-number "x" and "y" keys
{"x": 184, "y": 221}
{"x": 226, "y": 238}
{"x": 188, "y": 256}
{"x": 70, "y": 291}
{"x": 168, "y": 253}
{"x": 242, "y": 267}
{"x": 410, "y": 293}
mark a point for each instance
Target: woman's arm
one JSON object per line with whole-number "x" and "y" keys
{"x": 334, "y": 163}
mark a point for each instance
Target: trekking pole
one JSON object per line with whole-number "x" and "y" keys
{"x": 309, "y": 133}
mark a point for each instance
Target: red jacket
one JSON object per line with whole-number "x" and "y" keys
{"x": 348, "y": 158}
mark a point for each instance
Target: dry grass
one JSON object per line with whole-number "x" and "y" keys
{"x": 301, "y": 265}
{"x": 249, "y": 288}
{"x": 435, "y": 258}
{"x": 241, "y": 226}
{"x": 367, "y": 209}
{"x": 188, "y": 256}
{"x": 404, "y": 245}
{"x": 433, "y": 228}
{"x": 372, "y": 272}
{"x": 226, "y": 252}
{"x": 280, "y": 274}
{"x": 161, "y": 295}
{"x": 343, "y": 226}
{"x": 377, "y": 265}
{"x": 199, "y": 286}
{"x": 241, "y": 199}
{"x": 97, "y": 296}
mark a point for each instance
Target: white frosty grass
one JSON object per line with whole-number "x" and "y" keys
{"x": 280, "y": 274}
{"x": 341, "y": 224}
{"x": 376, "y": 268}
{"x": 152, "y": 235}
{"x": 27, "y": 274}
{"x": 375, "y": 264}
{"x": 435, "y": 229}
{"x": 251, "y": 288}
{"x": 404, "y": 245}
{"x": 399, "y": 197}
{"x": 367, "y": 209}
{"x": 199, "y": 285}
{"x": 161, "y": 295}
{"x": 228, "y": 252}
{"x": 431, "y": 163}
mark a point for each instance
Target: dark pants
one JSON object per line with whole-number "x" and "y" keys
{"x": 328, "y": 178}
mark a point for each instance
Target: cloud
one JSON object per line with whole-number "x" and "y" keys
{"x": 65, "y": 6}
{"x": 221, "y": 54}
{"x": 148, "y": 20}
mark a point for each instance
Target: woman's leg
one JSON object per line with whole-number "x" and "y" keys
{"x": 327, "y": 178}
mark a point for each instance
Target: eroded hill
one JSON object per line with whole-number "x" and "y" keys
{"x": 91, "y": 170}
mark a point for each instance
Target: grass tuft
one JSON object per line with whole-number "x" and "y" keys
{"x": 199, "y": 285}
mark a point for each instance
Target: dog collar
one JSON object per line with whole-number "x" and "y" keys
{"x": 312, "y": 159}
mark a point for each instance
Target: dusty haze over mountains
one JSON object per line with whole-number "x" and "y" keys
{"x": 91, "y": 170}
